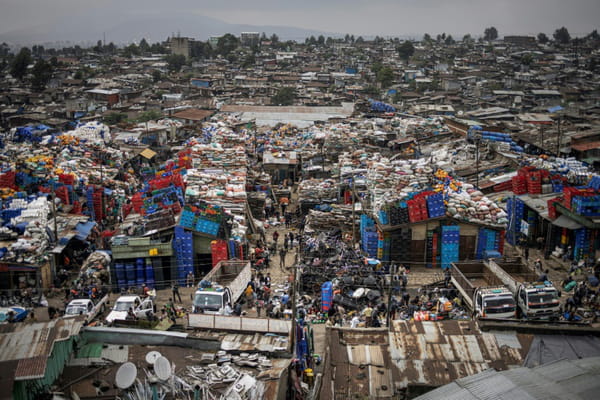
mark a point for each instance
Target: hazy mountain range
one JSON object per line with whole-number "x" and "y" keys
{"x": 120, "y": 29}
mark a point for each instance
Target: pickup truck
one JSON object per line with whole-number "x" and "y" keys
{"x": 534, "y": 299}
{"x": 141, "y": 308}
{"x": 222, "y": 286}
{"x": 482, "y": 291}
{"x": 86, "y": 307}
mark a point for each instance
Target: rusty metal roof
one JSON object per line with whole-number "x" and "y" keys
{"x": 31, "y": 344}
{"x": 374, "y": 362}
{"x": 436, "y": 353}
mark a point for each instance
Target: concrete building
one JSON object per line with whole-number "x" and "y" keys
{"x": 249, "y": 38}
{"x": 181, "y": 45}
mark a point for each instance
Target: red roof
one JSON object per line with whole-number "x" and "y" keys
{"x": 586, "y": 146}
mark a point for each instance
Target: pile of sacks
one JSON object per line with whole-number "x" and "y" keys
{"x": 470, "y": 204}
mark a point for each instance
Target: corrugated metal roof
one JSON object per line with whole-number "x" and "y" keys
{"x": 32, "y": 344}
{"x": 435, "y": 353}
{"x": 366, "y": 355}
{"x": 576, "y": 380}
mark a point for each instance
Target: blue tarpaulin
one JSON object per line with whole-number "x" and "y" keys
{"x": 83, "y": 229}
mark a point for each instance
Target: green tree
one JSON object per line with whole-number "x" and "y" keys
{"x": 18, "y": 67}
{"x": 4, "y": 49}
{"x": 150, "y": 115}
{"x": 175, "y": 62}
{"x": 158, "y": 48}
{"x": 226, "y": 44}
{"x": 376, "y": 67}
{"x": 427, "y": 38}
{"x": 131, "y": 50}
{"x": 41, "y": 74}
{"x": 542, "y": 38}
{"x": 360, "y": 40}
{"x": 114, "y": 118}
{"x": 385, "y": 76}
{"x": 284, "y": 97}
{"x": 200, "y": 50}
{"x": 274, "y": 39}
{"x": 467, "y": 39}
{"x": 144, "y": 46}
{"x": 406, "y": 50}
{"x": 562, "y": 35}
{"x": 527, "y": 59}
{"x": 321, "y": 40}
{"x": 156, "y": 76}
{"x": 490, "y": 33}
{"x": 329, "y": 41}
{"x": 249, "y": 61}
{"x": 450, "y": 40}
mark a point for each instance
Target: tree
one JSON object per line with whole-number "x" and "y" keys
{"x": 144, "y": 46}
{"x": 321, "y": 40}
{"x": 347, "y": 38}
{"x": 226, "y": 44}
{"x": 427, "y": 38}
{"x": 329, "y": 41}
{"x": 450, "y": 40}
{"x": 249, "y": 61}
{"x": 490, "y": 33}
{"x": 200, "y": 50}
{"x": 156, "y": 76}
{"x": 284, "y": 97}
{"x": 385, "y": 76}
{"x": 274, "y": 39}
{"x": 175, "y": 61}
{"x": 467, "y": 39}
{"x": 360, "y": 40}
{"x": 114, "y": 118}
{"x": 150, "y": 115}
{"x": 263, "y": 37}
{"x": 562, "y": 35}
{"x": 542, "y": 38}
{"x": 406, "y": 50}
{"x": 4, "y": 49}
{"x": 41, "y": 74}
{"x": 18, "y": 67}
{"x": 131, "y": 50}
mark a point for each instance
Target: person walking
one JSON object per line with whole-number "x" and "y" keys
{"x": 175, "y": 291}
{"x": 189, "y": 281}
{"x": 282, "y": 254}
{"x": 275, "y": 237}
{"x": 260, "y": 304}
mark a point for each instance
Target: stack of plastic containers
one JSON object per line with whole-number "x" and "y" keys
{"x": 184, "y": 253}
{"x": 450, "y": 242}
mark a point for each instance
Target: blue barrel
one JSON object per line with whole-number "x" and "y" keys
{"x": 120, "y": 271}
{"x": 150, "y": 276}
{"x": 326, "y": 296}
{"x": 122, "y": 284}
{"x": 130, "y": 283}
{"x": 130, "y": 270}
{"x": 139, "y": 271}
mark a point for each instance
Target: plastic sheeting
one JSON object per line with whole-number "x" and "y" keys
{"x": 548, "y": 348}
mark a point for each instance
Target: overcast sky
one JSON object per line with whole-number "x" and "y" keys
{"x": 360, "y": 17}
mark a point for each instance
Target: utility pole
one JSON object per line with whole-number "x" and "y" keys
{"x": 294, "y": 309}
{"x": 477, "y": 163}
{"x": 542, "y": 139}
{"x": 353, "y": 215}
{"x": 559, "y": 138}
{"x": 389, "y": 305}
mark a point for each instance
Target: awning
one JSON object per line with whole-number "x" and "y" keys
{"x": 565, "y": 222}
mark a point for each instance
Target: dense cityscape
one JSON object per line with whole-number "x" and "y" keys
{"x": 244, "y": 216}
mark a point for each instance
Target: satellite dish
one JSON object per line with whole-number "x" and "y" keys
{"x": 152, "y": 356}
{"x": 126, "y": 375}
{"x": 162, "y": 368}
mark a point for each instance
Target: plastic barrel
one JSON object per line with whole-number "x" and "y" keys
{"x": 150, "y": 276}
{"x": 326, "y": 296}
{"x": 120, "y": 271}
{"x": 130, "y": 271}
{"x": 121, "y": 283}
{"x": 139, "y": 272}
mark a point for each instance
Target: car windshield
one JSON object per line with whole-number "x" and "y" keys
{"x": 75, "y": 310}
{"x": 543, "y": 297}
{"x": 123, "y": 305}
{"x": 207, "y": 299}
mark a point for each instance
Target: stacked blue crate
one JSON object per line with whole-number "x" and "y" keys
{"x": 187, "y": 219}
{"x": 368, "y": 234}
{"x": 208, "y": 227}
{"x": 582, "y": 243}
{"x": 450, "y": 242}
{"x": 90, "y": 201}
{"x": 184, "y": 253}
{"x": 435, "y": 205}
{"x": 516, "y": 207}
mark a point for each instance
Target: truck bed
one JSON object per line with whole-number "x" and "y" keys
{"x": 225, "y": 272}
{"x": 520, "y": 272}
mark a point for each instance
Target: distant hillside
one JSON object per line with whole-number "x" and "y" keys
{"x": 123, "y": 29}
